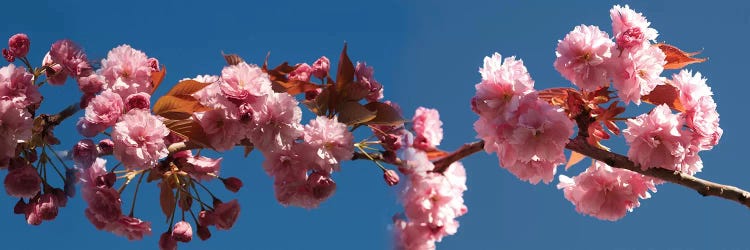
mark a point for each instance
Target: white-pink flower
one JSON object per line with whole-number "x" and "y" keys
{"x": 71, "y": 57}
{"x": 244, "y": 82}
{"x": 16, "y": 85}
{"x": 427, "y": 126}
{"x": 657, "y": 140}
{"x": 103, "y": 111}
{"x": 15, "y": 127}
{"x": 503, "y": 80}
{"x": 606, "y": 193}
{"x": 276, "y": 122}
{"x": 126, "y": 70}
{"x": 636, "y": 73}
{"x": 223, "y": 132}
{"x": 330, "y": 141}
{"x": 630, "y": 28}
{"x": 583, "y": 57}
{"x": 139, "y": 139}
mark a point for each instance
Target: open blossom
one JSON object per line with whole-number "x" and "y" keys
{"x": 71, "y": 57}
{"x": 700, "y": 109}
{"x": 606, "y": 193}
{"x": 329, "y": 140}
{"x": 276, "y": 122}
{"x": 139, "y": 100}
{"x": 91, "y": 84}
{"x": 223, "y": 132}
{"x": 225, "y": 214}
{"x": 103, "y": 111}
{"x": 583, "y": 57}
{"x": 301, "y": 73}
{"x": 129, "y": 227}
{"x": 54, "y": 72}
{"x": 364, "y": 75}
{"x": 22, "y": 182}
{"x": 630, "y": 28}
{"x": 503, "y": 81}
{"x": 203, "y": 168}
{"x": 84, "y": 153}
{"x": 657, "y": 141}
{"x": 16, "y": 85}
{"x": 636, "y": 74}
{"x": 413, "y": 236}
{"x": 129, "y": 66}
{"x": 15, "y": 126}
{"x": 139, "y": 139}
{"x": 244, "y": 82}
{"x": 427, "y": 126}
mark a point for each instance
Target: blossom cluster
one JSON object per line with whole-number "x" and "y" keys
{"x": 527, "y": 133}
{"x": 432, "y": 200}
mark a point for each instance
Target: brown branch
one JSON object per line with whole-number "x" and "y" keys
{"x": 467, "y": 149}
{"x": 375, "y": 156}
{"x": 56, "y": 119}
{"x": 704, "y": 187}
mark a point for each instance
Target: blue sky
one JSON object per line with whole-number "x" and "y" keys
{"x": 425, "y": 54}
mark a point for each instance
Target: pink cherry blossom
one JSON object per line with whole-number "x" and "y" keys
{"x": 104, "y": 204}
{"x": 321, "y": 186}
{"x": 391, "y": 177}
{"x": 703, "y": 119}
{"x": 692, "y": 87}
{"x": 301, "y": 73}
{"x": 139, "y": 100}
{"x": 130, "y": 67}
{"x": 413, "y": 236}
{"x": 139, "y": 139}
{"x": 637, "y": 73}
{"x": 503, "y": 81}
{"x": 427, "y": 126}
{"x": 55, "y": 73}
{"x": 364, "y": 75}
{"x": 129, "y": 227}
{"x": 182, "y": 231}
{"x": 223, "y": 132}
{"x": 16, "y": 84}
{"x": 71, "y": 57}
{"x": 541, "y": 133}
{"x": 414, "y": 161}
{"x": 22, "y": 182}
{"x": 203, "y": 168}
{"x": 225, "y": 214}
{"x": 15, "y": 126}
{"x": 630, "y": 28}
{"x": 18, "y": 44}
{"x": 84, "y": 153}
{"x": 91, "y": 84}
{"x": 657, "y": 140}
{"x": 89, "y": 175}
{"x": 605, "y": 192}
{"x": 321, "y": 67}
{"x": 583, "y": 57}
{"x": 330, "y": 141}
{"x": 103, "y": 111}
{"x": 276, "y": 122}
{"x": 244, "y": 82}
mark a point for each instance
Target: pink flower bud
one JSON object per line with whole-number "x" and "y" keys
{"x": 301, "y": 73}
{"x": 138, "y": 100}
{"x": 8, "y": 55}
{"x": 84, "y": 153}
{"x": 19, "y": 45}
{"x": 232, "y": 184}
{"x": 153, "y": 63}
{"x": 23, "y": 182}
{"x": 47, "y": 206}
{"x": 225, "y": 214}
{"x": 320, "y": 67}
{"x": 166, "y": 242}
{"x": 91, "y": 84}
{"x": 390, "y": 177}
{"x": 182, "y": 231}
{"x": 203, "y": 232}
{"x": 106, "y": 146}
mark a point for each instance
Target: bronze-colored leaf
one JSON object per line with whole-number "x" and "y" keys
{"x": 345, "y": 74}
{"x": 320, "y": 105}
{"x": 385, "y": 114}
{"x": 166, "y": 199}
{"x": 575, "y": 158}
{"x": 351, "y": 113}
{"x": 189, "y": 130}
{"x": 248, "y": 146}
{"x": 177, "y": 108}
{"x": 232, "y": 59}
{"x": 665, "y": 94}
{"x": 157, "y": 78}
{"x": 676, "y": 58}
{"x": 294, "y": 87}
{"x": 186, "y": 87}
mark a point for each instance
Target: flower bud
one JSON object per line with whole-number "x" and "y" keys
{"x": 19, "y": 45}
{"x": 166, "y": 242}
{"x": 182, "y": 231}
{"x": 320, "y": 67}
{"x": 232, "y": 184}
{"x": 390, "y": 177}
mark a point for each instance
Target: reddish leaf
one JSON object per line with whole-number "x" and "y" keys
{"x": 575, "y": 157}
{"x": 320, "y": 105}
{"x": 189, "y": 130}
{"x": 157, "y": 78}
{"x": 248, "y": 146}
{"x": 665, "y": 94}
{"x": 345, "y": 74}
{"x": 177, "y": 108}
{"x": 385, "y": 114}
{"x": 676, "y": 58}
{"x": 187, "y": 87}
{"x": 232, "y": 59}
{"x": 352, "y": 113}
{"x": 294, "y": 87}
{"x": 166, "y": 199}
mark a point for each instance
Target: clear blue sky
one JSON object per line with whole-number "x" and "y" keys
{"x": 426, "y": 54}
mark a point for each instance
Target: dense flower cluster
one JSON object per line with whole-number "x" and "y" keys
{"x": 527, "y": 133}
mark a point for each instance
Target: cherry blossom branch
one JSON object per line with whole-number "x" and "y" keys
{"x": 467, "y": 149}
{"x": 56, "y": 119}
{"x": 703, "y": 187}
